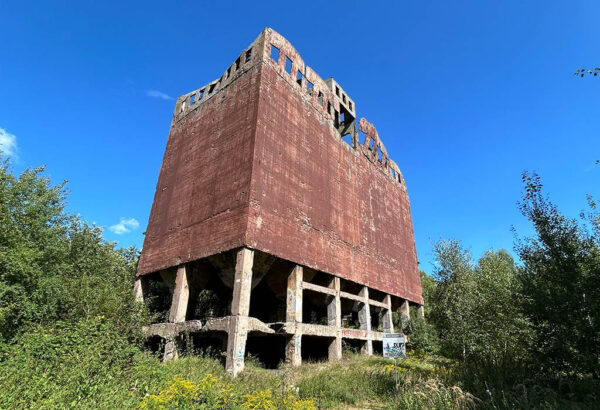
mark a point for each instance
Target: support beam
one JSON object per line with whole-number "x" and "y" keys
{"x": 405, "y": 309}
{"x": 242, "y": 282}
{"x": 240, "y": 309}
{"x": 294, "y": 295}
{"x": 388, "y": 324}
{"x": 293, "y": 349}
{"x": 236, "y": 345}
{"x": 181, "y": 295}
{"x": 317, "y": 288}
{"x": 293, "y": 313}
{"x": 170, "y": 352}
{"x": 334, "y": 318}
{"x": 364, "y": 318}
{"x": 139, "y": 286}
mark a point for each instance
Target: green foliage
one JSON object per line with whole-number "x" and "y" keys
{"x": 477, "y": 309}
{"x": 428, "y": 286}
{"x": 422, "y": 335}
{"x": 53, "y": 266}
{"x": 68, "y": 364}
{"x": 561, "y": 278}
{"x": 583, "y": 71}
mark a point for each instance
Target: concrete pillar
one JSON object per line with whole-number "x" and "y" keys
{"x": 421, "y": 310}
{"x": 405, "y": 309}
{"x": 364, "y": 318}
{"x": 242, "y": 282}
{"x": 139, "y": 286}
{"x": 293, "y": 349}
{"x": 388, "y": 323}
{"x": 334, "y": 318}
{"x": 181, "y": 295}
{"x": 294, "y": 295}
{"x": 170, "y": 349}
{"x": 236, "y": 344}
{"x": 240, "y": 309}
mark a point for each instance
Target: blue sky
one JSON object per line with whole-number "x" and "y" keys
{"x": 465, "y": 95}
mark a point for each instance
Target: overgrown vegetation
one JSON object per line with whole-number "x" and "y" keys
{"x": 497, "y": 334}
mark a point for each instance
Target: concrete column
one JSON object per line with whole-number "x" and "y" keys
{"x": 240, "y": 309}
{"x": 294, "y": 295}
{"x": 388, "y": 324}
{"x": 181, "y": 295}
{"x": 422, "y": 311}
{"x": 139, "y": 287}
{"x": 170, "y": 349}
{"x": 242, "y": 282}
{"x": 236, "y": 344}
{"x": 293, "y": 349}
{"x": 405, "y": 309}
{"x": 364, "y": 318}
{"x": 334, "y": 318}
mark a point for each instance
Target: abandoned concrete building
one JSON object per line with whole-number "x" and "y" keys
{"x": 278, "y": 229}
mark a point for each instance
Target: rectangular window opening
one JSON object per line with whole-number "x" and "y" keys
{"x": 211, "y": 88}
{"x": 192, "y": 99}
{"x": 350, "y": 105}
{"x": 328, "y": 107}
{"x": 299, "y": 78}
{"x": 336, "y": 119}
{"x": 201, "y": 94}
{"x": 274, "y": 53}
{"x": 320, "y": 97}
{"x": 344, "y": 98}
{"x": 309, "y": 87}
{"x": 248, "y": 55}
{"x": 379, "y": 154}
{"x": 393, "y": 173}
{"x": 337, "y": 91}
{"x": 371, "y": 144}
{"x": 228, "y": 72}
{"x": 342, "y": 117}
{"x": 288, "y": 65}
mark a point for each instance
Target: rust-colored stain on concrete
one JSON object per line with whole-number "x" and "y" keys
{"x": 257, "y": 160}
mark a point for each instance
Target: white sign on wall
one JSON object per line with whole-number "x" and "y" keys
{"x": 394, "y": 345}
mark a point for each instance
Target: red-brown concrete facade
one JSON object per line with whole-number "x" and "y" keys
{"x": 259, "y": 163}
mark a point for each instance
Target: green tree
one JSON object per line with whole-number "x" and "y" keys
{"x": 428, "y": 287}
{"x": 451, "y": 309}
{"x": 477, "y": 309}
{"x": 561, "y": 278}
{"x": 53, "y": 266}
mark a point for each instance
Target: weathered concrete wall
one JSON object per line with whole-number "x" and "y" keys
{"x": 258, "y": 163}
{"x": 202, "y": 196}
{"x": 317, "y": 201}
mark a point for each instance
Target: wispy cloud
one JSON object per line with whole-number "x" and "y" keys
{"x": 124, "y": 226}
{"x": 159, "y": 94}
{"x": 8, "y": 143}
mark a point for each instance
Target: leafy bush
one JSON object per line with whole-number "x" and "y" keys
{"x": 53, "y": 266}
{"x": 422, "y": 335}
{"x": 68, "y": 365}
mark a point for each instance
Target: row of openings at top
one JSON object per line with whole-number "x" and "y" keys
{"x": 343, "y": 120}
{"x": 289, "y": 64}
{"x": 232, "y": 69}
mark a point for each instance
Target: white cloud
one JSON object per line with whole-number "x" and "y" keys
{"x": 8, "y": 143}
{"x": 124, "y": 226}
{"x": 159, "y": 94}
